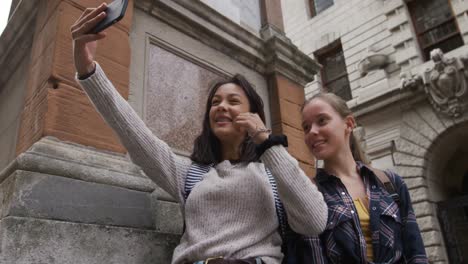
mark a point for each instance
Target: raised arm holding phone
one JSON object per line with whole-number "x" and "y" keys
{"x": 231, "y": 213}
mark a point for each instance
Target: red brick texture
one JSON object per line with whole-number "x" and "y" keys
{"x": 54, "y": 103}
{"x": 286, "y": 99}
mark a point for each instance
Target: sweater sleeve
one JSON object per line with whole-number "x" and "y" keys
{"x": 306, "y": 210}
{"x": 153, "y": 155}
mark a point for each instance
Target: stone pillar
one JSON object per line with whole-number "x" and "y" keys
{"x": 286, "y": 88}
{"x": 65, "y": 198}
{"x": 54, "y": 104}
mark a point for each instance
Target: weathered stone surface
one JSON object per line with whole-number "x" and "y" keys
{"x": 436, "y": 254}
{"x": 408, "y": 171}
{"x": 55, "y": 157}
{"x": 176, "y": 102}
{"x": 432, "y": 238}
{"x": 419, "y": 194}
{"x": 427, "y": 113}
{"x": 26, "y": 241}
{"x": 413, "y": 119}
{"x": 168, "y": 217}
{"x": 428, "y": 223}
{"x": 413, "y": 183}
{"x": 405, "y": 146}
{"x": 424, "y": 208}
{"x": 40, "y": 195}
{"x": 405, "y": 159}
{"x": 414, "y": 136}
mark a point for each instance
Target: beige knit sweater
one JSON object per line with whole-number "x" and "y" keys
{"x": 230, "y": 213}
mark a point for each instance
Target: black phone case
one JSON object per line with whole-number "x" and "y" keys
{"x": 115, "y": 11}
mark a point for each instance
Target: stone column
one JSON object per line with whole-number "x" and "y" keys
{"x": 71, "y": 200}
{"x": 286, "y": 85}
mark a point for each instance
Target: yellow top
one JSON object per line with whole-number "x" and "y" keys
{"x": 364, "y": 218}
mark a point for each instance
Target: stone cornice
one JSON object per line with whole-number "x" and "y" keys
{"x": 16, "y": 39}
{"x": 272, "y": 52}
{"x": 392, "y": 97}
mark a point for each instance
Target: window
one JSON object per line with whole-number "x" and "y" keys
{"x": 435, "y": 26}
{"x": 317, "y": 6}
{"x": 333, "y": 73}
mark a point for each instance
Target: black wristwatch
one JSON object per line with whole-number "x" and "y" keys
{"x": 272, "y": 140}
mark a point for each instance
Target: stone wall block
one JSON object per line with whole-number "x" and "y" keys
{"x": 428, "y": 223}
{"x": 27, "y": 240}
{"x": 409, "y": 171}
{"x": 432, "y": 238}
{"x": 406, "y": 146}
{"x": 414, "y": 136}
{"x": 396, "y": 20}
{"x": 390, "y": 6}
{"x": 404, "y": 54}
{"x": 405, "y": 159}
{"x": 400, "y": 36}
{"x": 167, "y": 215}
{"x": 419, "y": 194}
{"x": 424, "y": 208}
{"x": 411, "y": 118}
{"x": 413, "y": 183}
{"x": 71, "y": 117}
{"x": 46, "y": 196}
{"x": 427, "y": 112}
{"x": 436, "y": 254}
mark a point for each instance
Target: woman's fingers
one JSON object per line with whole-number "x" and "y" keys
{"x": 88, "y": 20}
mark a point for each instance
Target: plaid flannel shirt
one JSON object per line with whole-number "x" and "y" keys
{"x": 395, "y": 234}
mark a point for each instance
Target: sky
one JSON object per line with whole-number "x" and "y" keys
{"x": 4, "y": 11}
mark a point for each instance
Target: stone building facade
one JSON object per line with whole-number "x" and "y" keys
{"x": 69, "y": 193}
{"x": 401, "y": 65}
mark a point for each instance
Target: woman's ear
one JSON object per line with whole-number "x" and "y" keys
{"x": 350, "y": 123}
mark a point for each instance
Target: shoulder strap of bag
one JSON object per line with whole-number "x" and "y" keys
{"x": 384, "y": 179}
{"x": 280, "y": 213}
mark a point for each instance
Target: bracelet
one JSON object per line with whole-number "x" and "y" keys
{"x": 260, "y": 130}
{"x": 86, "y": 76}
{"x": 270, "y": 142}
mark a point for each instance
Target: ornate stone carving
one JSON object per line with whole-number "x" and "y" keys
{"x": 446, "y": 83}
{"x": 372, "y": 61}
{"x": 411, "y": 82}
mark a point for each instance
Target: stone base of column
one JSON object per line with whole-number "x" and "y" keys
{"x": 65, "y": 203}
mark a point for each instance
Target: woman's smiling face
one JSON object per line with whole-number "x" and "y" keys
{"x": 228, "y": 101}
{"x": 325, "y": 131}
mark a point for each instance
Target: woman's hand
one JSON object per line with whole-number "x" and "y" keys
{"x": 84, "y": 44}
{"x": 254, "y": 125}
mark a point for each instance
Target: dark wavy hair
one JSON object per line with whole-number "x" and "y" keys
{"x": 207, "y": 147}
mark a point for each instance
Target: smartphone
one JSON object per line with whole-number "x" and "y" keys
{"x": 115, "y": 11}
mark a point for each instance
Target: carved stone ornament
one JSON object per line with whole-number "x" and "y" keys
{"x": 446, "y": 83}
{"x": 372, "y": 61}
{"x": 411, "y": 82}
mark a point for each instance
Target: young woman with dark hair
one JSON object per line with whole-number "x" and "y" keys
{"x": 370, "y": 216}
{"x": 231, "y": 212}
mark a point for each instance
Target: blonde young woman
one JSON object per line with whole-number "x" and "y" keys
{"x": 230, "y": 215}
{"x": 367, "y": 222}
